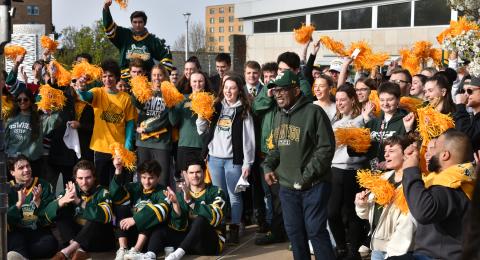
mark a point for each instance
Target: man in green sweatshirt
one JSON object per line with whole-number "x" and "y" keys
{"x": 300, "y": 160}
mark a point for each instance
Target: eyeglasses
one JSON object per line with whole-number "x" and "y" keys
{"x": 471, "y": 90}
{"x": 278, "y": 91}
{"x": 398, "y": 81}
{"x": 19, "y": 100}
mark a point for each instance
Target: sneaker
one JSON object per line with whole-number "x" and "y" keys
{"x": 80, "y": 255}
{"x": 176, "y": 255}
{"x": 311, "y": 247}
{"x": 121, "y": 253}
{"x": 133, "y": 254}
{"x": 149, "y": 256}
{"x": 268, "y": 239}
{"x": 13, "y": 255}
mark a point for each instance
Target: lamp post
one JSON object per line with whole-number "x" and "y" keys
{"x": 187, "y": 17}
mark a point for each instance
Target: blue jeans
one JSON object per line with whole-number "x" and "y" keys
{"x": 305, "y": 218}
{"x": 225, "y": 175}
{"x": 378, "y": 255}
{"x": 267, "y": 199}
{"x": 421, "y": 257}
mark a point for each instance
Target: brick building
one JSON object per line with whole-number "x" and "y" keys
{"x": 220, "y": 23}
{"x": 34, "y": 12}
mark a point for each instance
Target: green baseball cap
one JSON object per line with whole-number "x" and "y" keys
{"x": 285, "y": 80}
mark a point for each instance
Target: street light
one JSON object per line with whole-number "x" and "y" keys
{"x": 187, "y": 17}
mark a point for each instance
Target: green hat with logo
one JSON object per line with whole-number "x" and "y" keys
{"x": 286, "y": 80}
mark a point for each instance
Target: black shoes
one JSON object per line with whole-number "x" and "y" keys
{"x": 269, "y": 239}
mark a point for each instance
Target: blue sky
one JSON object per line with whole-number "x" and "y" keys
{"x": 165, "y": 17}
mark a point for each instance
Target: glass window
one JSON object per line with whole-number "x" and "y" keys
{"x": 220, "y": 29}
{"x": 230, "y": 19}
{"x": 212, "y": 11}
{"x": 221, "y": 10}
{"x": 212, "y": 29}
{"x": 240, "y": 28}
{"x": 288, "y": 24}
{"x": 431, "y": 12}
{"x": 211, "y": 39}
{"x": 221, "y": 38}
{"x": 230, "y": 28}
{"x": 265, "y": 26}
{"x": 221, "y": 48}
{"x": 33, "y": 10}
{"x": 357, "y": 18}
{"x": 230, "y": 9}
{"x": 221, "y": 19}
{"x": 325, "y": 21}
{"x": 212, "y": 20}
{"x": 211, "y": 48}
{"x": 394, "y": 15}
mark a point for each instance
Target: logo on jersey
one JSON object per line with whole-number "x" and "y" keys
{"x": 154, "y": 107}
{"x": 285, "y": 134}
{"x": 113, "y": 114}
{"x": 138, "y": 53}
{"x": 225, "y": 123}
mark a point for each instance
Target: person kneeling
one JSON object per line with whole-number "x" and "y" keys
{"x": 140, "y": 208}
{"x": 83, "y": 215}
{"x": 196, "y": 215}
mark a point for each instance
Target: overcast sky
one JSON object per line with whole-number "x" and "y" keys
{"x": 165, "y": 17}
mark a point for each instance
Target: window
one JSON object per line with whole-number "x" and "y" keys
{"x": 325, "y": 21}
{"x": 212, "y": 29}
{"x": 33, "y": 10}
{"x": 288, "y": 24}
{"x": 230, "y": 19}
{"x": 221, "y": 19}
{"x": 221, "y": 10}
{"x": 394, "y": 15}
{"x": 264, "y": 26}
{"x": 240, "y": 28}
{"x": 431, "y": 12}
{"x": 211, "y": 48}
{"x": 221, "y": 48}
{"x": 211, "y": 39}
{"x": 221, "y": 38}
{"x": 212, "y": 11}
{"x": 230, "y": 9}
{"x": 212, "y": 20}
{"x": 230, "y": 28}
{"x": 220, "y": 29}
{"x": 357, "y": 18}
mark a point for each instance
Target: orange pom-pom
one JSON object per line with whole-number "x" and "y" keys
{"x": 141, "y": 88}
{"x": 375, "y": 101}
{"x": 421, "y": 49}
{"x": 63, "y": 76}
{"x": 366, "y": 59}
{"x": 384, "y": 191}
{"x": 48, "y": 43}
{"x": 84, "y": 68}
{"x": 304, "y": 33}
{"x": 356, "y": 138}
{"x": 334, "y": 46}
{"x": 410, "y": 104}
{"x": 7, "y": 107}
{"x": 410, "y": 62}
{"x": 170, "y": 94}
{"x": 51, "y": 99}
{"x": 202, "y": 104}
{"x": 13, "y": 51}
{"x": 122, "y": 3}
{"x": 128, "y": 158}
{"x": 432, "y": 123}
{"x": 400, "y": 201}
{"x": 456, "y": 28}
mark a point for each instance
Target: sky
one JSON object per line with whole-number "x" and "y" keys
{"x": 165, "y": 17}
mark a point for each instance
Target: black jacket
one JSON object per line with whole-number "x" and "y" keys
{"x": 440, "y": 213}
{"x": 470, "y": 125}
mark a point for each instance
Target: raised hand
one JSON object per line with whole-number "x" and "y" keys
{"x": 410, "y": 156}
{"x": 37, "y": 195}
{"x": 107, "y": 3}
{"x": 367, "y": 110}
{"x": 408, "y": 121}
{"x": 361, "y": 198}
{"x": 22, "y": 195}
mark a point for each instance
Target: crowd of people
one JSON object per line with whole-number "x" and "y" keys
{"x": 276, "y": 127}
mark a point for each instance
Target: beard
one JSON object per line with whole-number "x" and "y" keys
{"x": 433, "y": 164}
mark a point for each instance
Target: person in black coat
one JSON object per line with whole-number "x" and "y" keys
{"x": 464, "y": 121}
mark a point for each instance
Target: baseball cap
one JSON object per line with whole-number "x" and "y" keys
{"x": 474, "y": 81}
{"x": 285, "y": 80}
{"x": 336, "y": 65}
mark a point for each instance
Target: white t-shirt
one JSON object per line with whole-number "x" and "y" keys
{"x": 331, "y": 110}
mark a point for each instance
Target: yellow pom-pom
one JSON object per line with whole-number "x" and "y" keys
{"x": 356, "y": 138}
{"x": 13, "y": 51}
{"x": 48, "y": 43}
{"x": 432, "y": 123}
{"x": 384, "y": 191}
{"x": 366, "y": 59}
{"x": 334, "y": 46}
{"x": 410, "y": 62}
{"x": 141, "y": 88}
{"x": 410, "y": 104}
{"x": 202, "y": 104}
{"x": 122, "y": 3}
{"x": 50, "y": 99}
{"x": 84, "y": 68}
{"x": 304, "y": 33}
{"x": 128, "y": 158}
{"x": 170, "y": 94}
{"x": 63, "y": 76}
{"x": 7, "y": 107}
{"x": 375, "y": 101}
{"x": 400, "y": 201}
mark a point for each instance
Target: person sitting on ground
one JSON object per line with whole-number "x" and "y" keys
{"x": 83, "y": 215}
{"x": 140, "y": 208}
{"x": 28, "y": 235}
{"x": 439, "y": 202}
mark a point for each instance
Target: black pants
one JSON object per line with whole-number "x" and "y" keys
{"x": 277, "y": 227}
{"x": 92, "y": 236}
{"x": 341, "y": 208}
{"x": 199, "y": 239}
{"x": 161, "y": 156}
{"x": 39, "y": 243}
{"x": 67, "y": 172}
{"x": 257, "y": 191}
{"x": 104, "y": 168}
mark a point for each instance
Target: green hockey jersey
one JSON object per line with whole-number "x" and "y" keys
{"x": 146, "y": 46}
{"x": 98, "y": 207}
{"x": 29, "y": 215}
{"x": 150, "y": 207}
{"x": 209, "y": 203}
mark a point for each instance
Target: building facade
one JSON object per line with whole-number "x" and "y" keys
{"x": 220, "y": 23}
{"x": 387, "y": 25}
{"x": 34, "y": 12}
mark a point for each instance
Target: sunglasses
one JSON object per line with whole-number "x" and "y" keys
{"x": 22, "y": 100}
{"x": 470, "y": 91}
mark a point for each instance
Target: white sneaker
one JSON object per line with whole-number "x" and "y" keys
{"x": 133, "y": 254}
{"x": 311, "y": 247}
{"x": 121, "y": 253}
{"x": 176, "y": 255}
{"x": 364, "y": 251}
{"x": 13, "y": 255}
{"x": 149, "y": 256}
